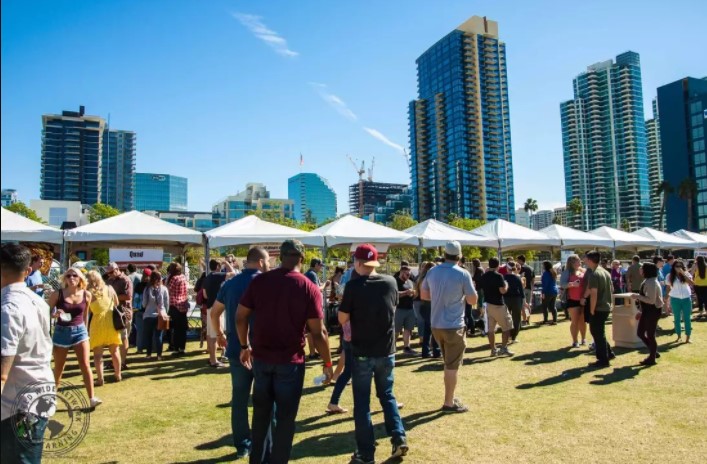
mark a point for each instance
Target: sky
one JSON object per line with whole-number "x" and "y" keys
{"x": 226, "y": 92}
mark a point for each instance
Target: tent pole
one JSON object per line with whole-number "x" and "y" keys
{"x": 207, "y": 254}
{"x": 419, "y": 253}
{"x": 65, "y": 256}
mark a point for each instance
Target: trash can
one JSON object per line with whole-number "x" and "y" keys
{"x": 623, "y": 322}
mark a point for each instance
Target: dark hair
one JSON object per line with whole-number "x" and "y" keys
{"x": 520, "y": 258}
{"x": 451, "y": 257}
{"x": 701, "y": 266}
{"x": 650, "y": 270}
{"x": 176, "y": 269}
{"x": 35, "y": 258}
{"x": 493, "y": 263}
{"x": 404, "y": 263}
{"x": 151, "y": 267}
{"x": 14, "y": 258}
{"x": 476, "y": 262}
{"x": 462, "y": 260}
{"x": 439, "y": 259}
{"x": 669, "y": 257}
{"x": 315, "y": 262}
{"x": 673, "y": 272}
{"x": 255, "y": 254}
{"x": 547, "y": 265}
{"x": 131, "y": 268}
{"x": 213, "y": 264}
{"x": 155, "y": 277}
{"x": 657, "y": 259}
{"x": 636, "y": 259}
{"x": 593, "y": 256}
{"x": 338, "y": 270}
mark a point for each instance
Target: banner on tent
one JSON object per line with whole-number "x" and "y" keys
{"x": 136, "y": 255}
{"x": 273, "y": 249}
{"x": 700, "y": 253}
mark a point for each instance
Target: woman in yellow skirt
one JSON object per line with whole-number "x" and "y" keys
{"x": 101, "y": 331}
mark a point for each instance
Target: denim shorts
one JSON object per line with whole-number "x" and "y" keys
{"x": 68, "y": 336}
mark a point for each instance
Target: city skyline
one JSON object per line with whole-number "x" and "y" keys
{"x": 174, "y": 111}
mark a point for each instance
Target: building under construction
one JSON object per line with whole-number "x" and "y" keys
{"x": 365, "y": 196}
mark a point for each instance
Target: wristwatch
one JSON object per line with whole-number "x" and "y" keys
{"x": 245, "y": 347}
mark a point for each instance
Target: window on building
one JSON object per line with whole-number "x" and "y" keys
{"x": 698, "y": 145}
{"x": 57, "y": 216}
{"x": 696, "y": 107}
{"x": 698, "y": 132}
{"x": 699, "y": 157}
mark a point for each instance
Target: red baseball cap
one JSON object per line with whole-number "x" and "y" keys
{"x": 368, "y": 253}
{"x": 147, "y": 271}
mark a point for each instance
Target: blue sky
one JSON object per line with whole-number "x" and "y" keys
{"x": 227, "y": 92}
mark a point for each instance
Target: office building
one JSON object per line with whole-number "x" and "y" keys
{"x": 683, "y": 123}
{"x": 160, "y": 192}
{"x": 605, "y": 147}
{"x": 314, "y": 199}
{"x": 365, "y": 196}
{"x": 655, "y": 165}
{"x": 201, "y": 221}
{"x": 541, "y": 219}
{"x": 72, "y": 145}
{"x": 57, "y": 212}
{"x": 522, "y": 217}
{"x": 255, "y": 199}
{"x": 394, "y": 203}
{"x": 118, "y": 169}
{"x": 460, "y": 133}
{"x": 9, "y": 196}
{"x": 559, "y": 216}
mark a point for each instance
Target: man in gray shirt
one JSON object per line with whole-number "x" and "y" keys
{"x": 449, "y": 288}
{"x": 633, "y": 275}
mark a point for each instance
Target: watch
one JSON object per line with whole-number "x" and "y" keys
{"x": 245, "y": 347}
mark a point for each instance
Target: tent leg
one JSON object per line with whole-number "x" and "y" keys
{"x": 65, "y": 256}
{"x": 419, "y": 253}
{"x": 207, "y": 256}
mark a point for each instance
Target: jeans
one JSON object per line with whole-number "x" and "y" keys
{"x": 598, "y": 329}
{"x": 138, "y": 319}
{"x": 515, "y": 306}
{"x": 151, "y": 337}
{"x": 427, "y": 338}
{"x": 278, "y": 385}
{"x": 682, "y": 309}
{"x": 179, "y": 326}
{"x": 647, "y": 325}
{"x": 345, "y": 375}
{"x": 701, "y": 292}
{"x": 418, "y": 317}
{"x": 241, "y": 383}
{"x": 26, "y": 451}
{"x": 549, "y": 305}
{"x": 381, "y": 369}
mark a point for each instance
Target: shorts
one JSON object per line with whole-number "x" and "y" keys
{"x": 125, "y": 333}
{"x": 572, "y": 304}
{"x": 404, "y": 319}
{"x": 499, "y": 315}
{"x": 212, "y": 331}
{"x": 452, "y": 342}
{"x": 528, "y": 293}
{"x": 68, "y": 336}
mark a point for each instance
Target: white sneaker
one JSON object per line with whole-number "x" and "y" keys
{"x": 95, "y": 401}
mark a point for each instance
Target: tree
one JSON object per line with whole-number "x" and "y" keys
{"x": 100, "y": 211}
{"x": 530, "y": 207}
{"x": 309, "y": 217}
{"x": 556, "y": 219}
{"x": 24, "y": 210}
{"x": 687, "y": 190}
{"x": 575, "y": 208}
{"x": 663, "y": 190}
{"x": 402, "y": 220}
{"x": 625, "y": 225}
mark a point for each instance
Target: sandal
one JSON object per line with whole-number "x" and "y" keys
{"x": 337, "y": 410}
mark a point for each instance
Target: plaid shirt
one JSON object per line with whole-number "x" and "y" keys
{"x": 178, "y": 292}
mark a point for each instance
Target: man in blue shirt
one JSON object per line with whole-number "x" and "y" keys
{"x": 34, "y": 279}
{"x": 669, "y": 261}
{"x": 227, "y": 299}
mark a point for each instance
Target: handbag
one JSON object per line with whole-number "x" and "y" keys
{"x": 120, "y": 320}
{"x": 162, "y": 322}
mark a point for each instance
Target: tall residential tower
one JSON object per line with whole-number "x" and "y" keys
{"x": 118, "y": 169}
{"x": 655, "y": 166}
{"x": 604, "y": 145}
{"x": 460, "y": 133}
{"x": 314, "y": 199}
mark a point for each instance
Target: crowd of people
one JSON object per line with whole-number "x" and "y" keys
{"x": 264, "y": 319}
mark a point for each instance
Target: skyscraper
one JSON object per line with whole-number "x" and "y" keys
{"x": 313, "y": 197}
{"x": 683, "y": 123}
{"x": 160, "y": 192}
{"x": 460, "y": 133}
{"x": 366, "y": 196}
{"x": 655, "y": 165}
{"x": 9, "y": 197}
{"x": 72, "y": 145}
{"x": 541, "y": 219}
{"x": 604, "y": 145}
{"x": 118, "y": 169}
{"x": 255, "y": 199}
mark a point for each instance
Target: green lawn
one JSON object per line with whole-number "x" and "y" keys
{"x": 541, "y": 406}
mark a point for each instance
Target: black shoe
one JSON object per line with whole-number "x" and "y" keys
{"x": 242, "y": 453}
{"x": 612, "y": 356}
{"x": 657, "y": 355}
{"x": 647, "y": 362}
{"x": 436, "y": 355}
{"x": 599, "y": 365}
{"x": 426, "y": 355}
{"x": 400, "y": 449}
{"x": 358, "y": 459}
{"x": 409, "y": 351}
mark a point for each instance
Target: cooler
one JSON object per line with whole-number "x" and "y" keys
{"x": 623, "y": 322}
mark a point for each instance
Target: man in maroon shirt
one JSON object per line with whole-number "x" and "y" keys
{"x": 281, "y": 302}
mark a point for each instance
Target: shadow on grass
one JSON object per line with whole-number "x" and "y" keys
{"x": 227, "y": 458}
{"x": 569, "y": 374}
{"x": 546, "y": 357}
{"x": 618, "y": 375}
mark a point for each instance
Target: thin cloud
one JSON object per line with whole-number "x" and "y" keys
{"x": 274, "y": 40}
{"x": 334, "y": 101}
{"x": 379, "y": 136}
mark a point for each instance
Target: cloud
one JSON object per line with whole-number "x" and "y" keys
{"x": 334, "y": 101}
{"x": 256, "y": 26}
{"x": 378, "y": 135}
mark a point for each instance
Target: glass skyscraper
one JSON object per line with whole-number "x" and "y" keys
{"x": 160, "y": 192}
{"x": 460, "y": 132}
{"x": 312, "y": 196}
{"x": 655, "y": 165}
{"x": 255, "y": 199}
{"x": 118, "y": 168}
{"x": 605, "y": 147}
{"x": 72, "y": 145}
{"x": 683, "y": 123}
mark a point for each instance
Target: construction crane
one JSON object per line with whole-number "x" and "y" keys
{"x": 370, "y": 170}
{"x": 360, "y": 173}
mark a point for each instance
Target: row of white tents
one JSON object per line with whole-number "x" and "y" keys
{"x": 135, "y": 228}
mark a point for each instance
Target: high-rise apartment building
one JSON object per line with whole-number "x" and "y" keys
{"x": 72, "y": 145}
{"x": 118, "y": 169}
{"x": 9, "y": 196}
{"x": 683, "y": 123}
{"x": 314, "y": 199}
{"x": 254, "y": 199}
{"x": 655, "y": 165}
{"x": 460, "y": 132}
{"x": 541, "y": 219}
{"x": 366, "y": 196}
{"x": 605, "y": 147}
{"x": 522, "y": 218}
{"x": 394, "y": 203}
{"x": 160, "y": 192}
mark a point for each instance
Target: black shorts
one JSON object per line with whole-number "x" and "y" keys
{"x": 572, "y": 304}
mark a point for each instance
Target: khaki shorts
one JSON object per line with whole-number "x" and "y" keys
{"x": 499, "y": 315}
{"x": 212, "y": 331}
{"x": 453, "y": 344}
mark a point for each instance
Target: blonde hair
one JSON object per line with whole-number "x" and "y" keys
{"x": 96, "y": 286}
{"x": 573, "y": 259}
{"x": 82, "y": 279}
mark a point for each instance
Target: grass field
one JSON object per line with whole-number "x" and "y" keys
{"x": 541, "y": 406}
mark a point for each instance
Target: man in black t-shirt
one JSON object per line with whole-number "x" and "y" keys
{"x": 494, "y": 287}
{"x": 404, "y": 314}
{"x": 210, "y": 287}
{"x": 369, "y": 304}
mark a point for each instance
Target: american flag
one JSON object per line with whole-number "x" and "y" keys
{"x": 301, "y": 160}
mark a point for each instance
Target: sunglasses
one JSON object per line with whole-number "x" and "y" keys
{"x": 69, "y": 276}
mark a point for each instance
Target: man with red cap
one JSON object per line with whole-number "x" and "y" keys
{"x": 369, "y": 304}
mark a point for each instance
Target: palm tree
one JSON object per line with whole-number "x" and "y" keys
{"x": 575, "y": 208}
{"x": 530, "y": 206}
{"x": 664, "y": 189}
{"x": 687, "y": 190}
{"x": 625, "y": 225}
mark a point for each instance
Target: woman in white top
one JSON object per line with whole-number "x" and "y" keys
{"x": 680, "y": 292}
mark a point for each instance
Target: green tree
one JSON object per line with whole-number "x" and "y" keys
{"x": 556, "y": 220}
{"x": 100, "y": 211}
{"x": 530, "y": 206}
{"x": 402, "y": 220}
{"x": 663, "y": 190}
{"x": 100, "y": 255}
{"x": 24, "y": 210}
{"x": 575, "y": 208}
{"x": 309, "y": 217}
{"x": 625, "y": 225}
{"x": 687, "y": 190}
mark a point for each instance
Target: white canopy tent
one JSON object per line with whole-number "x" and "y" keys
{"x": 252, "y": 230}
{"x": 664, "y": 241}
{"x": 510, "y": 236}
{"x": 432, "y": 233}
{"x": 699, "y": 239}
{"x": 623, "y": 240}
{"x": 17, "y": 228}
{"x": 570, "y": 238}
{"x": 350, "y": 229}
